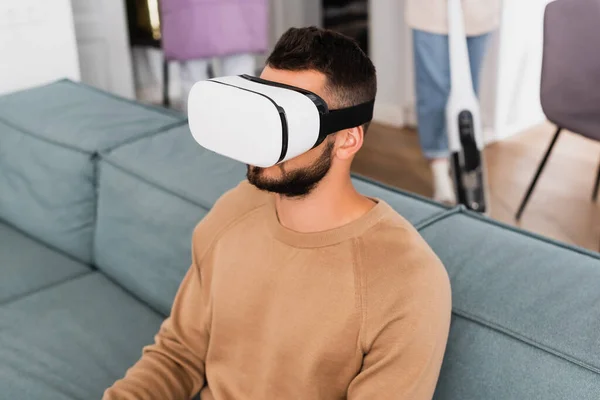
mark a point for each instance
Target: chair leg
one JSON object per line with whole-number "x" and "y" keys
{"x": 211, "y": 70}
{"x": 537, "y": 175}
{"x": 597, "y": 185}
{"x": 166, "y": 100}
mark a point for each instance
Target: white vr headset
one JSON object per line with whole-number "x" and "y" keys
{"x": 263, "y": 123}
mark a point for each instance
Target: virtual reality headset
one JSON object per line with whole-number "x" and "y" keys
{"x": 263, "y": 123}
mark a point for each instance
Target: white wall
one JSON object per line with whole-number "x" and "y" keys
{"x": 519, "y": 67}
{"x": 389, "y": 45}
{"x": 37, "y": 43}
{"x": 488, "y": 88}
{"x": 103, "y": 45}
{"x": 285, "y": 14}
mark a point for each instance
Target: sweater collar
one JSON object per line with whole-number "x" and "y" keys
{"x": 329, "y": 237}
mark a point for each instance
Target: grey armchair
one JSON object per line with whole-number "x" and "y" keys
{"x": 570, "y": 84}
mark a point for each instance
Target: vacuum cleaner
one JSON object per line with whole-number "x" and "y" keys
{"x": 463, "y": 119}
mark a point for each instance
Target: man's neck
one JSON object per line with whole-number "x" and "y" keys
{"x": 333, "y": 203}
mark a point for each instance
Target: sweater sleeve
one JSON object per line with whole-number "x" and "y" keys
{"x": 172, "y": 367}
{"x": 405, "y": 329}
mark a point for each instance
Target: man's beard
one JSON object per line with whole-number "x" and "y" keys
{"x": 297, "y": 183}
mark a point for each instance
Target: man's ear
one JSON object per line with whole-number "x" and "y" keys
{"x": 348, "y": 142}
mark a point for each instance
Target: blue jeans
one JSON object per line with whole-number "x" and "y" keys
{"x": 432, "y": 73}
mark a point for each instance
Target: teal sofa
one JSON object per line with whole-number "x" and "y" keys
{"x": 98, "y": 199}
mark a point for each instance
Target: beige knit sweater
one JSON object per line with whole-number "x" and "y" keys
{"x": 481, "y": 16}
{"x": 360, "y": 312}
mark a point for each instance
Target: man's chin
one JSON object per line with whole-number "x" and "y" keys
{"x": 263, "y": 176}
{"x": 262, "y": 183}
{"x": 285, "y": 188}
{"x": 295, "y": 184}
{"x": 256, "y": 176}
{"x": 259, "y": 179}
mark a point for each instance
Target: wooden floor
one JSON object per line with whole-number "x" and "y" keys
{"x": 561, "y": 206}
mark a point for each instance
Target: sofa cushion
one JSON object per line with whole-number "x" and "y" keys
{"x": 47, "y": 162}
{"x": 27, "y": 265}
{"x": 526, "y": 318}
{"x": 79, "y": 116}
{"x": 481, "y": 363}
{"x": 151, "y": 195}
{"x": 416, "y": 209}
{"x": 71, "y": 341}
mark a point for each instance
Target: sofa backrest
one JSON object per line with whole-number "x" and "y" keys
{"x": 526, "y": 313}
{"x": 154, "y": 191}
{"x": 49, "y": 139}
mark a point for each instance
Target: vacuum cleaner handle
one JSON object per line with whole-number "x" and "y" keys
{"x": 463, "y": 118}
{"x": 460, "y": 71}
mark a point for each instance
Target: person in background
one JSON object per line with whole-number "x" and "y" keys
{"x": 195, "y": 32}
{"x": 429, "y": 22}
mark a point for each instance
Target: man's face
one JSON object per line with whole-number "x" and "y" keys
{"x": 298, "y": 176}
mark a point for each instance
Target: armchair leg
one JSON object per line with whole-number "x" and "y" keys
{"x": 597, "y": 185}
{"x": 537, "y": 175}
{"x": 166, "y": 100}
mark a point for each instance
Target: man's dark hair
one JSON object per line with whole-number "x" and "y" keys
{"x": 351, "y": 77}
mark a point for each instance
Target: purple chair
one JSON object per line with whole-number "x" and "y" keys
{"x": 570, "y": 84}
{"x": 202, "y": 29}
